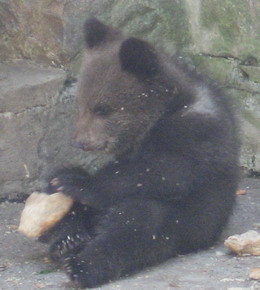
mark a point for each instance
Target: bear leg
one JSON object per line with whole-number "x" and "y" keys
{"x": 133, "y": 235}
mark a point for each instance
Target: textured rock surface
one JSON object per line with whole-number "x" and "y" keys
{"x": 37, "y": 110}
{"x": 45, "y": 31}
{"x": 189, "y": 27}
{"x": 28, "y": 94}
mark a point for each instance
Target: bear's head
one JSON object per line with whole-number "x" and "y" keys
{"x": 123, "y": 90}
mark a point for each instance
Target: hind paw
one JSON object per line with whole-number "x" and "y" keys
{"x": 78, "y": 272}
{"x": 68, "y": 245}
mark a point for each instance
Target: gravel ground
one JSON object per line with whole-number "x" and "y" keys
{"x": 24, "y": 263}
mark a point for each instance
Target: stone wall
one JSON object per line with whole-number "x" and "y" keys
{"x": 37, "y": 107}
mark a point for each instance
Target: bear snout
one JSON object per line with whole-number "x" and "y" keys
{"x": 90, "y": 144}
{"x": 79, "y": 144}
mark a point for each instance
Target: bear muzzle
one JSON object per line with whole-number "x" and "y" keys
{"x": 89, "y": 146}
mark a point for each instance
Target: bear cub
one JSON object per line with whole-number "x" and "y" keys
{"x": 171, "y": 187}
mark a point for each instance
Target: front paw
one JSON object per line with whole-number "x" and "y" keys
{"x": 70, "y": 184}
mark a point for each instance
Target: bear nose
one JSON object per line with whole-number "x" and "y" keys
{"x": 83, "y": 145}
{"x": 79, "y": 145}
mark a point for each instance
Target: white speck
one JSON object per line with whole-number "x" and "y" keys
{"x": 139, "y": 184}
{"x": 148, "y": 169}
{"x": 185, "y": 107}
{"x": 27, "y": 173}
{"x": 163, "y": 178}
{"x": 154, "y": 237}
{"x": 122, "y": 109}
{"x": 177, "y": 221}
{"x": 81, "y": 189}
{"x": 116, "y": 172}
{"x": 167, "y": 238}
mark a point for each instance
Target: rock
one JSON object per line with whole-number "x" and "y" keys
{"x": 190, "y": 27}
{"x": 245, "y": 244}
{"x": 28, "y": 97}
{"x": 255, "y": 274}
{"x": 248, "y": 107}
{"x": 241, "y": 192}
{"x": 253, "y": 72}
{"x": 216, "y": 68}
{"x": 42, "y": 211}
{"x": 25, "y": 86}
{"x": 48, "y": 32}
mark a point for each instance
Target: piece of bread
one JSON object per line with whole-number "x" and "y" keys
{"x": 42, "y": 211}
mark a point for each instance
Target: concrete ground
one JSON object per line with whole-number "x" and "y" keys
{"x": 24, "y": 263}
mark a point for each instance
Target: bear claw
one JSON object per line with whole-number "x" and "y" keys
{"x": 70, "y": 244}
{"x": 55, "y": 181}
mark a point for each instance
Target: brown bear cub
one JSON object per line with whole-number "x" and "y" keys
{"x": 172, "y": 185}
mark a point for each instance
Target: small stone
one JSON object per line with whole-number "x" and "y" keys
{"x": 46, "y": 260}
{"x": 40, "y": 285}
{"x": 241, "y": 192}
{"x": 255, "y": 274}
{"x": 247, "y": 244}
{"x": 2, "y": 268}
{"x": 220, "y": 254}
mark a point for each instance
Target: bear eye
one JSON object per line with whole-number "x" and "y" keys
{"x": 103, "y": 110}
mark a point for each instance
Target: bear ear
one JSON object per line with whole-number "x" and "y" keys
{"x": 139, "y": 58}
{"x": 96, "y": 32}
